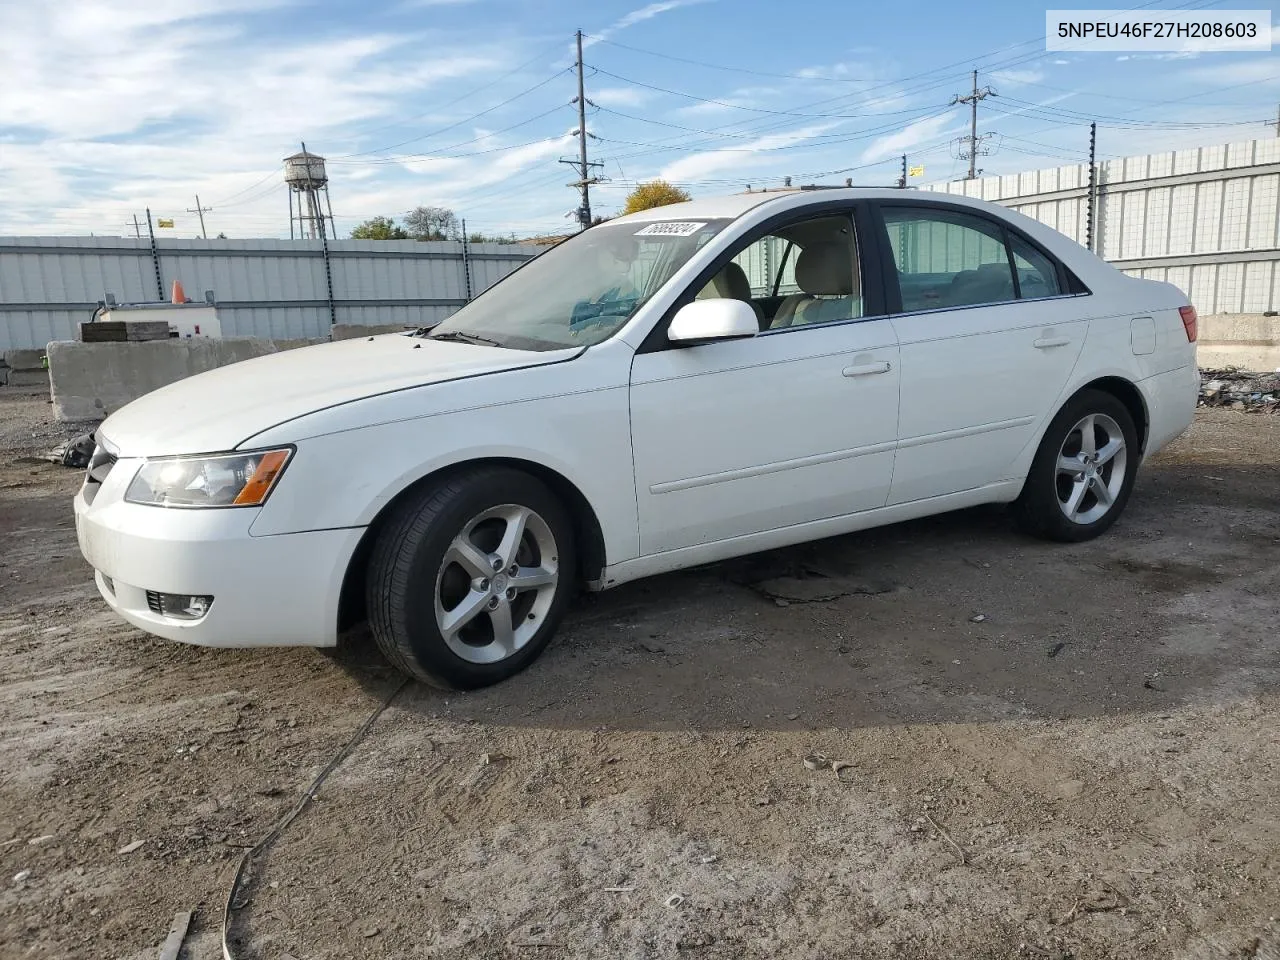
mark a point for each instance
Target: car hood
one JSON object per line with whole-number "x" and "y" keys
{"x": 222, "y": 408}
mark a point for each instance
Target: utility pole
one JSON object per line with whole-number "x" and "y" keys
{"x": 583, "y": 166}
{"x": 975, "y": 142}
{"x": 902, "y": 180}
{"x": 1278, "y": 120}
{"x": 201, "y": 211}
{"x": 137, "y": 228}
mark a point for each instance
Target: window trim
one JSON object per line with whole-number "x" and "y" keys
{"x": 866, "y": 248}
{"x": 1068, "y": 282}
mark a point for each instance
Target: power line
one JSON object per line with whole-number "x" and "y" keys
{"x": 455, "y": 125}
{"x": 716, "y": 66}
{"x": 445, "y": 106}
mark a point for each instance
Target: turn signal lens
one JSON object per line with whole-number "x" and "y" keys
{"x": 1189, "y": 322}
{"x": 263, "y": 479}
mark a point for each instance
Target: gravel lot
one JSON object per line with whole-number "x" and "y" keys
{"x": 1053, "y": 752}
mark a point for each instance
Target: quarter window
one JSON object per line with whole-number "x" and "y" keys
{"x": 950, "y": 259}
{"x": 1037, "y": 274}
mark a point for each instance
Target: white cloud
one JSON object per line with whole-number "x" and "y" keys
{"x": 752, "y": 98}
{"x": 699, "y": 165}
{"x": 620, "y": 96}
{"x": 903, "y": 140}
{"x": 201, "y": 103}
{"x": 638, "y": 16}
{"x": 1258, "y": 71}
{"x": 1019, "y": 76}
{"x": 844, "y": 70}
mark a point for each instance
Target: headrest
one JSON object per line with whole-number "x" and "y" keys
{"x": 825, "y": 270}
{"x": 732, "y": 282}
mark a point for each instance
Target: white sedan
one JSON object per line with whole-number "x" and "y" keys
{"x": 666, "y": 389}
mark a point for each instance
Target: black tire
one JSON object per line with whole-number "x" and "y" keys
{"x": 1039, "y": 509}
{"x": 407, "y": 569}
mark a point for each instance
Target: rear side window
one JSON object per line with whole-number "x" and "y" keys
{"x": 947, "y": 258}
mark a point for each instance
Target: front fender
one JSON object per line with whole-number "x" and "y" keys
{"x": 345, "y": 479}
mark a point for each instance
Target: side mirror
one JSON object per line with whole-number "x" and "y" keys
{"x": 704, "y": 321}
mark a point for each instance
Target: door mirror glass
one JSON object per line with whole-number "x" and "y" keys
{"x": 703, "y": 321}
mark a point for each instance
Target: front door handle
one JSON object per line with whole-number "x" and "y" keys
{"x": 1044, "y": 343}
{"x": 867, "y": 369}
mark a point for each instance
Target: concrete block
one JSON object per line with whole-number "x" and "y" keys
{"x": 90, "y": 380}
{"x": 349, "y": 331}
{"x": 26, "y": 379}
{"x": 24, "y": 359}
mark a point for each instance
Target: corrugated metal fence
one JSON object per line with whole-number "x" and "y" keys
{"x": 263, "y": 288}
{"x": 1206, "y": 219}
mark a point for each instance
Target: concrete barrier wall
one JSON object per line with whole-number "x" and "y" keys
{"x": 1249, "y": 341}
{"x": 90, "y": 380}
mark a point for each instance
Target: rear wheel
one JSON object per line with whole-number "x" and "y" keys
{"x": 1082, "y": 475}
{"x": 469, "y": 579}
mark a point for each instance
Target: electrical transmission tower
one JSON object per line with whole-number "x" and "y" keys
{"x": 975, "y": 143}
{"x": 582, "y": 166}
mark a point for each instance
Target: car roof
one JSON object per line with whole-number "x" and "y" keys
{"x": 735, "y": 205}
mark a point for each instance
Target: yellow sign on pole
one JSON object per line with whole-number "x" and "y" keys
{"x": 162, "y": 222}
{"x": 916, "y": 171}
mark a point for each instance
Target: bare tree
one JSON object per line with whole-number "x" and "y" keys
{"x": 431, "y": 223}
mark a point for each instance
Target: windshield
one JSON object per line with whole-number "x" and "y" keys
{"x": 580, "y": 291}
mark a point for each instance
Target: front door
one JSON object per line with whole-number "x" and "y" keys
{"x": 793, "y": 425}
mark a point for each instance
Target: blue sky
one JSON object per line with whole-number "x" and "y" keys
{"x": 111, "y": 106}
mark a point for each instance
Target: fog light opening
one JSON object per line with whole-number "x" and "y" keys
{"x": 179, "y": 606}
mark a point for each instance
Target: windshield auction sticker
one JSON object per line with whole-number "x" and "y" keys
{"x": 670, "y": 228}
{"x": 1182, "y": 31}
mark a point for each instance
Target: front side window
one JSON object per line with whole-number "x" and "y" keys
{"x": 947, "y": 259}
{"x": 581, "y": 291}
{"x": 800, "y": 274}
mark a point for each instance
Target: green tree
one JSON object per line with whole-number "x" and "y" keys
{"x": 379, "y": 228}
{"x": 431, "y": 223}
{"x": 655, "y": 193}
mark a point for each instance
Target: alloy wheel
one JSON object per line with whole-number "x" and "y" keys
{"x": 1092, "y": 465}
{"x": 496, "y": 583}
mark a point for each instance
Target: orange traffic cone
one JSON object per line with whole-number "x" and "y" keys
{"x": 179, "y": 295}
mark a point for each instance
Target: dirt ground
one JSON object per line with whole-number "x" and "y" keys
{"x": 1054, "y": 751}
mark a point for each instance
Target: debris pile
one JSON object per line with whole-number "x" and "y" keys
{"x": 1240, "y": 390}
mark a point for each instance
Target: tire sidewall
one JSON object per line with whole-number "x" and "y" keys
{"x": 416, "y": 614}
{"x": 1039, "y": 500}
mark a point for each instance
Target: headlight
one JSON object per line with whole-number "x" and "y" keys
{"x": 224, "y": 480}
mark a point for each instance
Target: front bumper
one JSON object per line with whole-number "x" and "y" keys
{"x": 267, "y": 591}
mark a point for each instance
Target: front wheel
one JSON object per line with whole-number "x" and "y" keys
{"x": 1083, "y": 473}
{"x": 469, "y": 579}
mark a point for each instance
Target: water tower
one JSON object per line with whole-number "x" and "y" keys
{"x": 305, "y": 177}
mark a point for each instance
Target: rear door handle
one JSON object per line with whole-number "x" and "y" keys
{"x": 867, "y": 369}
{"x": 1044, "y": 343}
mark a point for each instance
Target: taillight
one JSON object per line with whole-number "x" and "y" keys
{"x": 1189, "y": 322}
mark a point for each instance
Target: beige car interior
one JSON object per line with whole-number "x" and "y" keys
{"x": 826, "y": 285}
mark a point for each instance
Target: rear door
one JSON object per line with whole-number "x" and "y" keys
{"x": 989, "y": 330}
